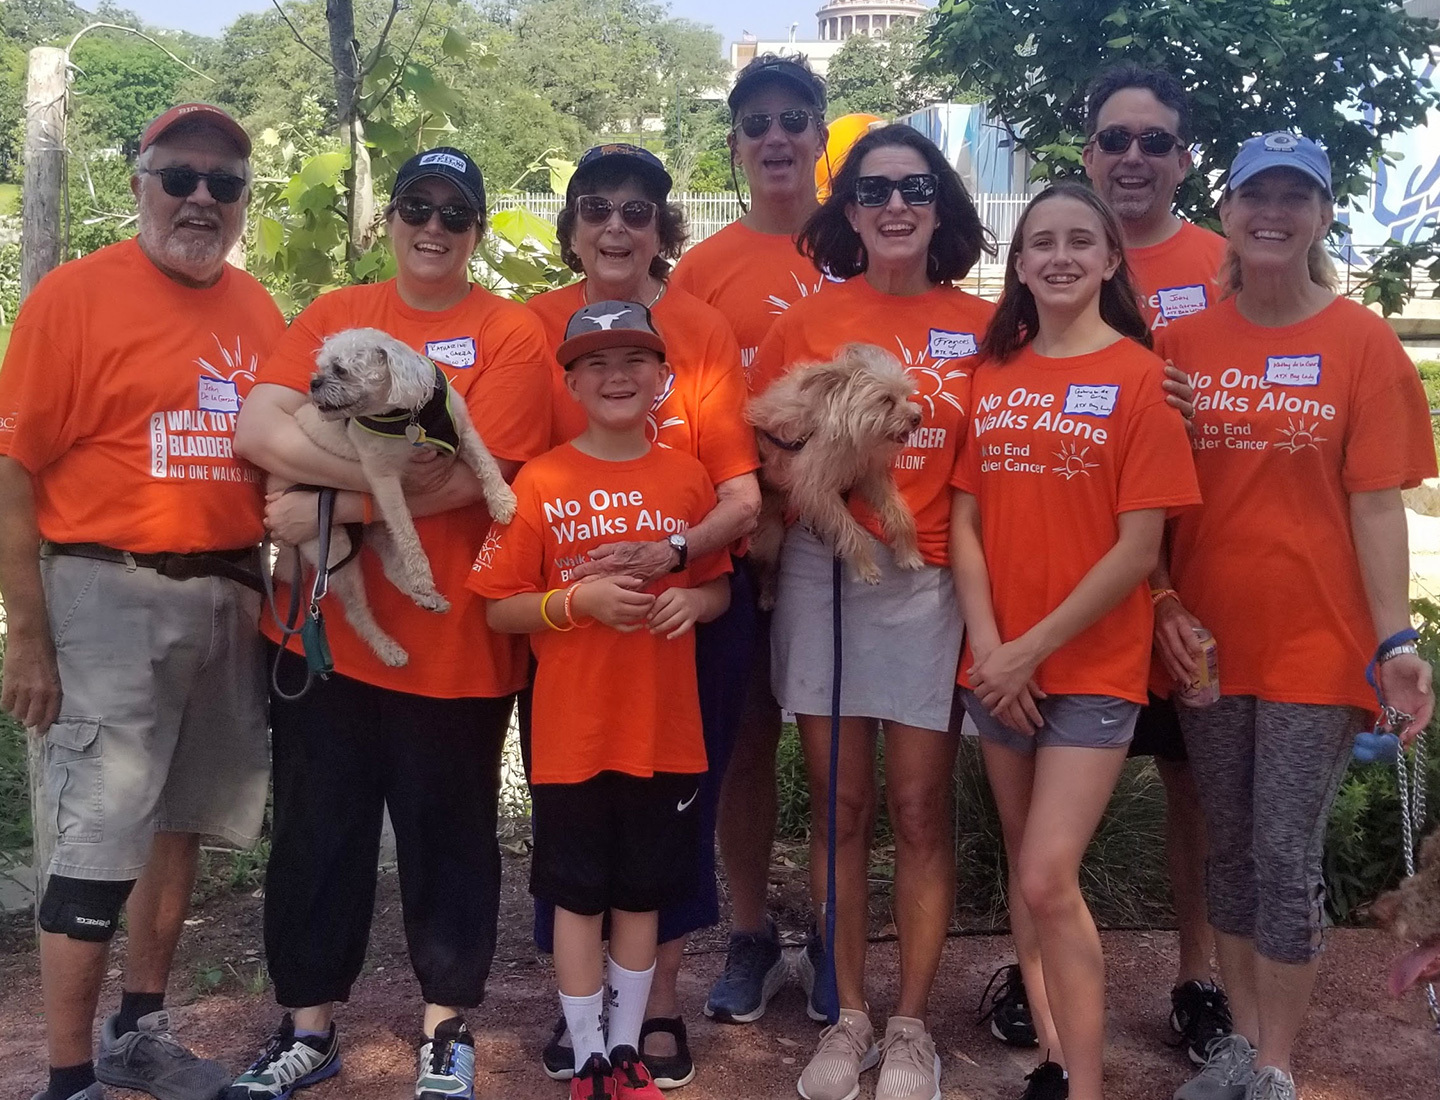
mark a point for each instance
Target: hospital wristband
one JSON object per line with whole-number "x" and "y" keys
{"x": 1158, "y": 594}
{"x": 544, "y": 615}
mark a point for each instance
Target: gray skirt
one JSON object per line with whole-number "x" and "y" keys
{"x": 900, "y": 639}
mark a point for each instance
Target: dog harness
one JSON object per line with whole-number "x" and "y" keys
{"x": 431, "y": 423}
{"x": 783, "y": 445}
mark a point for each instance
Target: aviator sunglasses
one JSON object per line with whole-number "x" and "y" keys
{"x": 795, "y": 121}
{"x": 917, "y": 190}
{"x": 455, "y": 217}
{"x": 180, "y": 182}
{"x": 1116, "y": 140}
{"x": 596, "y": 210}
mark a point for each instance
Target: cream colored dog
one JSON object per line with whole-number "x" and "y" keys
{"x": 373, "y": 400}
{"x": 826, "y": 429}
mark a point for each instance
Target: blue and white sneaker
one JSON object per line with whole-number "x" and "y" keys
{"x": 289, "y": 1062}
{"x": 447, "y": 1064}
{"x": 755, "y": 970}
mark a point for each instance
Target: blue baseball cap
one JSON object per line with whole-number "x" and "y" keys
{"x": 1281, "y": 149}
{"x": 642, "y": 162}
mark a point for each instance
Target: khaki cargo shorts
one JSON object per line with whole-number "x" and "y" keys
{"x": 162, "y": 723}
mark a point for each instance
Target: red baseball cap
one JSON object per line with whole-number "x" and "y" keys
{"x": 205, "y": 112}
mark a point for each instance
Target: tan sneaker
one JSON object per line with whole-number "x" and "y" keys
{"x": 911, "y": 1069}
{"x": 846, "y": 1050}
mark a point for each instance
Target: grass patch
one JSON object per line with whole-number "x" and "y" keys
{"x": 4, "y": 339}
{"x": 9, "y": 198}
{"x": 14, "y": 779}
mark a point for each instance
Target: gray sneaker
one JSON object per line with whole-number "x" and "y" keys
{"x": 94, "y": 1092}
{"x": 152, "y": 1060}
{"x": 1272, "y": 1084}
{"x": 1228, "y": 1071}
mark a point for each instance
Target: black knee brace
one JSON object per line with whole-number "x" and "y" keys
{"x": 83, "y": 909}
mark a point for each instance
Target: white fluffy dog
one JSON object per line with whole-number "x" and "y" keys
{"x": 826, "y": 429}
{"x": 373, "y": 400}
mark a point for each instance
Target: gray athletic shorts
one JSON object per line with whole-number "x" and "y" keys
{"x": 1071, "y": 721}
{"x": 162, "y": 723}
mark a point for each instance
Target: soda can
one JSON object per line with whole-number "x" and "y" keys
{"x": 1204, "y": 690}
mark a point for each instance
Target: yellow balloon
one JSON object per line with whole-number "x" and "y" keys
{"x": 845, "y": 131}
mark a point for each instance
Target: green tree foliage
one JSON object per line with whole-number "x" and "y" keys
{"x": 881, "y": 75}
{"x": 121, "y": 84}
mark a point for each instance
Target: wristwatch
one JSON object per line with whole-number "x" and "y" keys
{"x": 681, "y": 547}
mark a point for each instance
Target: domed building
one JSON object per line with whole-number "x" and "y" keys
{"x": 839, "y": 19}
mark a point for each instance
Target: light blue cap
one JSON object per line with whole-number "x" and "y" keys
{"x": 1281, "y": 149}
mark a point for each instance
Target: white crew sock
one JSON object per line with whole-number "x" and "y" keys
{"x": 582, "y": 1017}
{"x": 629, "y": 991}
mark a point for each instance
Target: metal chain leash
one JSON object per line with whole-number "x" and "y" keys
{"x": 1410, "y": 780}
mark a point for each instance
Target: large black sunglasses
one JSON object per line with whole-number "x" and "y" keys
{"x": 794, "y": 121}
{"x": 917, "y": 190}
{"x": 1116, "y": 141}
{"x": 180, "y": 182}
{"x": 455, "y": 217}
{"x": 596, "y": 210}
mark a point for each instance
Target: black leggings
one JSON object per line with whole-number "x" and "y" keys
{"x": 342, "y": 754}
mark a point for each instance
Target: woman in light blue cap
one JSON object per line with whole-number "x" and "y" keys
{"x": 1310, "y": 419}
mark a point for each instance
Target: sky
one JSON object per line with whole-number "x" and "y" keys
{"x": 766, "y": 18}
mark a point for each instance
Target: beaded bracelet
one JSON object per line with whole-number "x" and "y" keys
{"x": 548, "y": 621}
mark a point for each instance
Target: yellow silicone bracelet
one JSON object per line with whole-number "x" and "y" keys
{"x": 548, "y": 621}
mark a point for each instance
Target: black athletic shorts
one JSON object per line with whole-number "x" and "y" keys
{"x": 1157, "y": 732}
{"x": 615, "y": 841}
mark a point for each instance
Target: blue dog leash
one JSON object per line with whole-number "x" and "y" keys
{"x": 827, "y": 998}
{"x": 1383, "y": 742}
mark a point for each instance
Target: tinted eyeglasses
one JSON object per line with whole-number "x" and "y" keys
{"x": 1116, "y": 140}
{"x": 455, "y": 217}
{"x": 596, "y": 210}
{"x": 795, "y": 121}
{"x": 916, "y": 190}
{"x": 180, "y": 182}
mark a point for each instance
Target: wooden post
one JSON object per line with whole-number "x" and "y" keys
{"x": 40, "y": 226}
{"x": 40, "y": 236}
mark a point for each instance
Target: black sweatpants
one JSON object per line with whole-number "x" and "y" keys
{"x": 342, "y": 754}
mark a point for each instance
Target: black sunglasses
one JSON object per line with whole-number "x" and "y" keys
{"x": 455, "y": 217}
{"x": 596, "y": 210}
{"x": 180, "y": 182}
{"x": 794, "y": 121}
{"x": 1153, "y": 143}
{"x": 916, "y": 190}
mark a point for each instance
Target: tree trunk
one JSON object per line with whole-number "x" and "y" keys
{"x": 359, "y": 186}
{"x": 40, "y": 226}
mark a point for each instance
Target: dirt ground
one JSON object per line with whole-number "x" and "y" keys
{"x": 1358, "y": 1045}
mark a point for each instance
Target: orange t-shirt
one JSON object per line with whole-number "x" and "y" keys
{"x": 493, "y": 353}
{"x": 119, "y": 395}
{"x": 604, "y": 700}
{"x": 1058, "y": 448}
{"x": 1289, "y": 422}
{"x": 751, "y": 278}
{"x": 1179, "y": 276}
{"x": 935, "y": 336}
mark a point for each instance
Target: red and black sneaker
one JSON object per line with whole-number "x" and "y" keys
{"x": 594, "y": 1081}
{"x": 632, "y": 1079}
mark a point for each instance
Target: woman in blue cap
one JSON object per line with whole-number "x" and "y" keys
{"x": 1310, "y": 420}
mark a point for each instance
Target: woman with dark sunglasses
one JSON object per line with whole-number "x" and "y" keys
{"x": 372, "y": 737}
{"x": 619, "y": 231}
{"x": 900, "y": 228}
{"x": 752, "y": 271}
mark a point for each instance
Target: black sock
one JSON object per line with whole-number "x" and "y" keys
{"x": 133, "y": 1006}
{"x": 66, "y": 1081}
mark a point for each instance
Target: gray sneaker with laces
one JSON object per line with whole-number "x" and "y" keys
{"x": 152, "y": 1060}
{"x": 1228, "y": 1071}
{"x": 1272, "y": 1084}
{"x": 94, "y": 1092}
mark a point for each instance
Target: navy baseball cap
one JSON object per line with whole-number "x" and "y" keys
{"x": 1281, "y": 149}
{"x": 781, "y": 70}
{"x": 447, "y": 164}
{"x": 642, "y": 162}
{"x": 609, "y": 324}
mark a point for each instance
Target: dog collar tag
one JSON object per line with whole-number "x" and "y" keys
{"x": 415, "y": 434}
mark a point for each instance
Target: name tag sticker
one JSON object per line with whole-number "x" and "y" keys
{"x": 1091, "y": 400}
{"x": 218, "y": 396}
{"x": 1293, "y": 370}
{"x": 1181, "y": 301}
{"x": 952, "y": 345}
{"x": 459, "y": 352}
